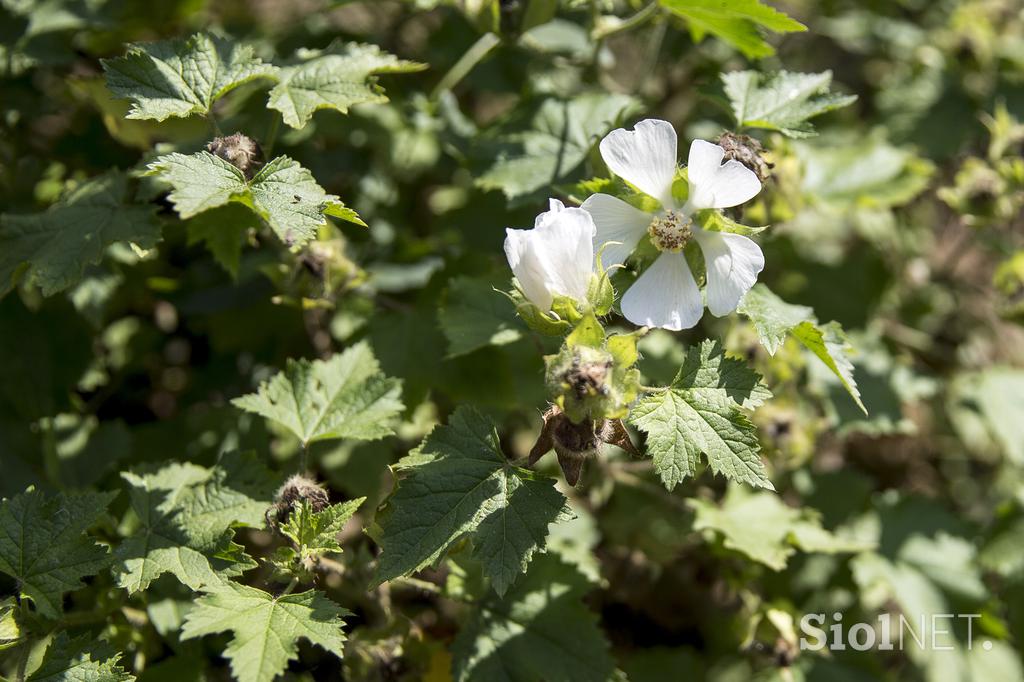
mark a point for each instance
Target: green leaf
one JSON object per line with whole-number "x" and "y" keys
{"x": 52, "y": 249}
{"x": 555, "y": 142}
{"x": 782, "y": 101}
{"x": 475, "y": 315}
{"x": 344, "y": 397}
{"x": 463, "y": 485}
{"x": 860, "y": 172}
{"x": 222, "y": 230}
{"x": 43, "y": 546}
{"x": 187, "y": 513}
{"x": 316, "y": 533}
{"x": 734, "y": 21}
{"x": 773, "y": 319}
{"x": 335, "y": 78}
{"x": 761, "y": 526}
{"x": 83, "y": 659}
{"x": 266, "y": 628}
{"x": 282, "y": 192}
{"x": 539, "y": 630}
{"x": 181, "y": 77}
{"x": 702, "y": 412}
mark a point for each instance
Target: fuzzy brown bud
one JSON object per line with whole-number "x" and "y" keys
{"x": 747, "y": 151}
{"x": 296, "y": 489}
{"x": 241, "y": 151}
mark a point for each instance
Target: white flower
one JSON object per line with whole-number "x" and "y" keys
{"x": 666, "y": 294}
{"x": 556, "y": 257}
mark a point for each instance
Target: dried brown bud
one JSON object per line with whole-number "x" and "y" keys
{"x": 294, "y": 490}
{"x": 575, "y": 443}
{"x": 747, "y": 151}
{"x": 240, "y": 151}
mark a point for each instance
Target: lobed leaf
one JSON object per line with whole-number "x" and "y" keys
{"x": 344, "y": 397}
{"x": 44, "y": 547}
{"x": 459, "y": 484}
{"x": 736, "y": 22}
{"x": 282, "y": 192}
{"x": 266, "y": 629}
{"x": 52, "y": 249}
{"x": 182, "y": 77}
{"x": 701, "y": 413}
{"x": 336, "y": 78}
{"x": 782, "y": 101}
{"x": 187, "y": 513}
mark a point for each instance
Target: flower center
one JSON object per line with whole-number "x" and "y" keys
{"x": 670, "y": 232}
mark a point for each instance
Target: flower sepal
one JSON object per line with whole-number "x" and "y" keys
{"x": 713, "y": 220}
{"x": 600, "y": 293}
{"x": 543, "y": 322}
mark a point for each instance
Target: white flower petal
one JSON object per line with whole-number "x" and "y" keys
{"x": 555, "y": 258}
{"x": 644, "y": 156}
{"x": 714, "y": 185}
{"x": 665, "y": 295}
{"x": 616, "y": 221}
{"x": 733, "y": 263}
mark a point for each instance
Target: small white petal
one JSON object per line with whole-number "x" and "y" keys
{"x": 555, "y": 258}
{"x": 644, "y": 156}
{"x": 554, "y": 205}
{"x": 714, "y": 185}
{"x": 616, "y": 221}
{"x": 733, "y": 263}
{"x": 665, "y": 295}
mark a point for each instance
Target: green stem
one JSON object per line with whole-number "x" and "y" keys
{"x": 213, "y": 124}
{"x": 291, "y": 586}
{"x": 639, "y": 19}
{"x": 480, "y": 49}
{"x": 271, "y": 136}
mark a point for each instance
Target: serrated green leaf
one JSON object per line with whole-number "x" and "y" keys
{"x": 773, "y": 319}
{"x": 335, "y": 78}
{"x": 83, "y": 659}
{"x": 344, "y": 397}
{"x": 316, "y": 533}
{"x": 43, "y": 545}
{"x": 764, "y": 528}
{"x": 782, "y": 101}
{"x": 734, "y": 21}
{"x": 707, "y": 368}
{"x": 475, "y": 315}
{"x": 266, "y": 629}
{"x": 52, "y": 249}
{"x": 701, "y": 412}
{"x": 555, "y": 143}
{"x": 540, "y": 629}
{"x": 181, "y": 77}
{"x": 187, "y": 513}
{"x": 282, "y": 192}
{"x": 463, "y": 485}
